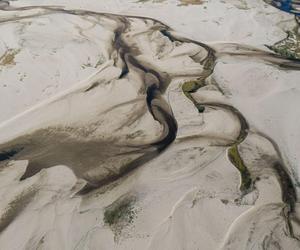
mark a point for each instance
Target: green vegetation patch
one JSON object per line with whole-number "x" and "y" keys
{"x": 191, "y": 87}
{"x": 120, "y": 214}
{"x": 238, "y": 162}
{"x": 288, "y": 47}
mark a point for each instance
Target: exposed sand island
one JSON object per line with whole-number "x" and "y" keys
{"x": 149, "y": 125}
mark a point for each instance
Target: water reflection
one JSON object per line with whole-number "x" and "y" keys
{"x": 291, "y": 6}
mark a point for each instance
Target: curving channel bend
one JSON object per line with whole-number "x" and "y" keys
{"x": 120, "y": 118}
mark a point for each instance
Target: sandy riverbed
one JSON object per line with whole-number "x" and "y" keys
{"x": 147, "y": 125}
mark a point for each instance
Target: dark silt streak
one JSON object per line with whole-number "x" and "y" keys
{"x": 243, "y": 122}
{"x": 160, "y": 79}
{"x": 6, "y": 155}
{"x": 247, "y": 52}
{"x": 161, "y": 112}
{"x": 288, "y": 189}
{"x": 16, "y": 206}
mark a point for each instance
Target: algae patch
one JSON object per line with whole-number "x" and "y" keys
{"x": 191, "y": 87}
{"x": 120, "y": 214}
{"x": 237, "y": 161}
{"x": 8, "y": 58}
